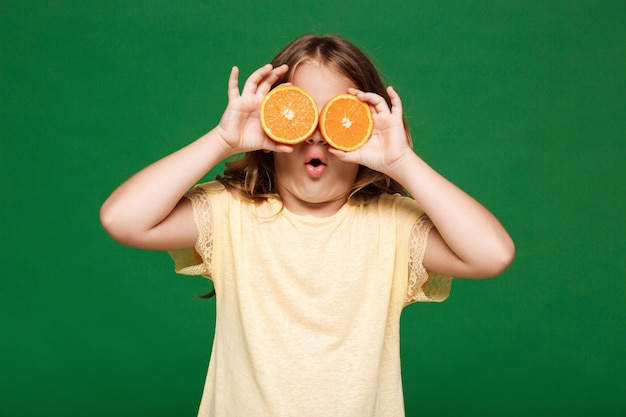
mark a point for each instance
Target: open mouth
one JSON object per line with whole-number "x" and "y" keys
{"x": 315, "y": 167}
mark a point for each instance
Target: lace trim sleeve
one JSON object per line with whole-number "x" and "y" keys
{"x": 197, "y": 260}
{"x": 424, "y": 285}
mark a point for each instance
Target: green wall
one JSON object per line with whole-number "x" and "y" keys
{"x": 520, "y": 102}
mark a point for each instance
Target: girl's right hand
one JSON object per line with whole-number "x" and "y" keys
{"x": 240, "y": 128}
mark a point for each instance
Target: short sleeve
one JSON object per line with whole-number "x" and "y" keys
{"x": 424, "y": 285}
{"x": 197, "y": 260}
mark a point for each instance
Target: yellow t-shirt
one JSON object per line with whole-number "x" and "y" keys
{"x": 308, "y": 308}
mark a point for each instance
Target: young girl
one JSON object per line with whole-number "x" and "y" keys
{"x": 313, "y": 252}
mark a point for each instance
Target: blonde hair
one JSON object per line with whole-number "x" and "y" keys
{"x": 252, "y": 175}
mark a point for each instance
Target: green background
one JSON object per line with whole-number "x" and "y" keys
{"x": 521, "y": 103}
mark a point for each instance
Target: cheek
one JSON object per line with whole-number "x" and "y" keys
{"x": 347, "y": 173}
{"x": 283, "y": 164}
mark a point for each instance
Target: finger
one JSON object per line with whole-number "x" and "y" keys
{"x": 352, "y": 157}
{"x": 396, "y": 102}
{"x": 271, "y": 78}
{"x": 273, "y": 146}
{"x": 360, "y": 95}
{"x": 355, "y": 91}
{"x": 283, "y": 148}
{"x": 255, "y": 78}
{"x": 233, "y": 83}
{"x": 379, "y": 103}
{"x": 376, "y": 102}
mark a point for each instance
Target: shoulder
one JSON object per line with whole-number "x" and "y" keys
{"x": 223, "y": 201}
{"x": 206, "y": 197}
{"x": 212, "y": 191}
{"x": 398, "y": 203}
{"x": 398, "y": 210}
{"x": 208, "y": 187}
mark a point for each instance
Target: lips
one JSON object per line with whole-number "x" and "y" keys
{"x": 315, "y": 163}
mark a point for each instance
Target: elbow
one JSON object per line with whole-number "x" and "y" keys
{"x": 500, "y": 258}
{"x": 109, "y": 221}
{"x": 115, "y": 224}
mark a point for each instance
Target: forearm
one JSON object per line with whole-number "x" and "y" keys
{"x": 149, "y": 196}
{"x": 467, "y": 240}
{"x": 472, "y": 233}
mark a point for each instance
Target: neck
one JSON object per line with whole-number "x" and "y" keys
{"x": 307, "y": 208}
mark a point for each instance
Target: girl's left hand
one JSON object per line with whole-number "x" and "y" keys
{"x": 389, "y": 143}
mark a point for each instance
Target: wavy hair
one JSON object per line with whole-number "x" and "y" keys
{"x": 252, "y": 175}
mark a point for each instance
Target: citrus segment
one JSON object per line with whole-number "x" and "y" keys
{"x": 346, "y": 122}
{"x": 288, "y": 114}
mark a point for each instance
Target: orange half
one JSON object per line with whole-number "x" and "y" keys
{"x": 288, "y": 114}
{"x": 346, "y": 122}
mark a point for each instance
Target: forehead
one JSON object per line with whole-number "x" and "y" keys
{"x": 321, "y": 81}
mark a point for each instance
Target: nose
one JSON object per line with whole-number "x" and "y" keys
{"x": 316, "y": 138}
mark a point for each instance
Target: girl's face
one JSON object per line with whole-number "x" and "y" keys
{"x": 310, "y": 180}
